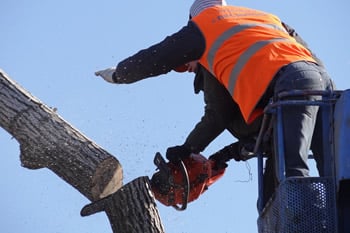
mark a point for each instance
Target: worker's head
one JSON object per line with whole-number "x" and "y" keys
{"x": 199, "y": 5}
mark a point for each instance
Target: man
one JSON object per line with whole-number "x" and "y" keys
{"x": 248, "y": 52}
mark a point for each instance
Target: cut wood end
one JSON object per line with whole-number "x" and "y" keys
{"x": 107, "y": 179}
{"x": 115, "y": 184}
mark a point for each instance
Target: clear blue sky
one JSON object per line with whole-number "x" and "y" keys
{"x": 52, "y": 48}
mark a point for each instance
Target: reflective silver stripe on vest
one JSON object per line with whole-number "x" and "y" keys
{"x": 242, "y": 60}
{"x": 231, "y": 32}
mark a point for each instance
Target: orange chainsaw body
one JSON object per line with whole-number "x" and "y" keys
{"x": 176, "y": 184}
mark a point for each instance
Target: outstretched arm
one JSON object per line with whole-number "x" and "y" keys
{"x": 180, "y": 48}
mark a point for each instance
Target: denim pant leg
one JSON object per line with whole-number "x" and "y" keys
{"x": 317, "y": 138}
{"x": 299, "y": 121}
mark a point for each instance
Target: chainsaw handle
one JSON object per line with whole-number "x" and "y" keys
{"x": 186, "y": 180}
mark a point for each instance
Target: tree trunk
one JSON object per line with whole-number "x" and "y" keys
{"x": 143, "y": 219}
{"x": 47, "y": 141}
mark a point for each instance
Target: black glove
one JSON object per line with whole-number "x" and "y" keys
{"x": 176, "y": 153}
{"x": 227, "y": 153}
{"x": 239, "y": 151}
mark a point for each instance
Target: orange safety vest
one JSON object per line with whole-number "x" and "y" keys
{"x": 245, "y": 48}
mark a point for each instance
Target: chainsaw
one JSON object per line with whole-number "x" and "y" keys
{"x": 178, "y": 184}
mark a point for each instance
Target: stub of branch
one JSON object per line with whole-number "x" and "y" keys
{"x": 131, "y": 209}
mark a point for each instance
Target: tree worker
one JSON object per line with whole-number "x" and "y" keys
{"x": 252, "y": 55}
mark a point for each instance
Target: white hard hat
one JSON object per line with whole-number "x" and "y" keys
{"x": 199, "y": 5}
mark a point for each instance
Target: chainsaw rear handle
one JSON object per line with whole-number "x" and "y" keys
{"x": 163, "y": 168}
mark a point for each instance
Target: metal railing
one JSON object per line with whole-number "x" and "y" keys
{"x": 298, "y": 204}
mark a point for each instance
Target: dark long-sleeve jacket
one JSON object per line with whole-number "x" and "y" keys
{"x": 221, "y": 113}
{"x": 188, "y": 44}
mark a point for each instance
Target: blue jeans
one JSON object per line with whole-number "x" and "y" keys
{"x": 299, "y": 121}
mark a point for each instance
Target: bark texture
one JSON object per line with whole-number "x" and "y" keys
{"x": 138, "y": 213}
{"x": 47, "y": 141}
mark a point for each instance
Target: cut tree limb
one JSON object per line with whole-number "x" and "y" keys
{"x": 47, "y": 141}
